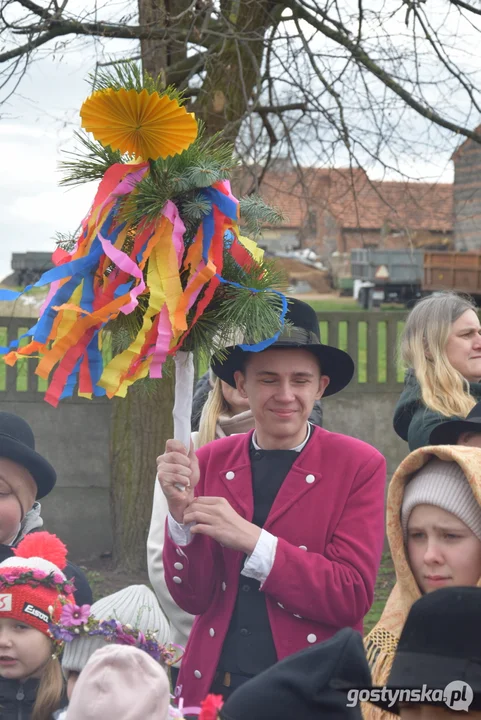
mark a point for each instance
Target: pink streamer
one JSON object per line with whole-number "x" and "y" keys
{"x": 171, "y": 213}
{"x": 164, "y": 332}
{"x": 127, "y": 265}
{"x": 54, "y": 286}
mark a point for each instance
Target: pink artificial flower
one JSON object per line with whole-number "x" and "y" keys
{"x": 74, "y": 615}
{"x": 123, "y": 638}
{"x": 39, "y": 574}
{"x": 58, "y": 579}
{"x": 13, "y": 573}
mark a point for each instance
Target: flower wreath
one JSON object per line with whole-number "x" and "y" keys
{"x": 77, "y": 621}
{"x": 19, "y": 576}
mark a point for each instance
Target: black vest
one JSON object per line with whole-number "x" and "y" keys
{"x": 248, "y": 646}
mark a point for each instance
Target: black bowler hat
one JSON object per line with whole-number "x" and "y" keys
{"x": 448, "y": 432}
{"x": 440, "y": 643}
{"x": 335, "y": 363}
{"x": 17, "y": 443}
{"x": 303, "y": 685}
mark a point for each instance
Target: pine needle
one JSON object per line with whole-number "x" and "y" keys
{"x": 90, "y": 162}
{"x": 256, "y": 213}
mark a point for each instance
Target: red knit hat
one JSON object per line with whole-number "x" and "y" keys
{"x": 33, "y": 588}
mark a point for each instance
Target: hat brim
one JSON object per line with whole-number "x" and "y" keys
{"x": 335, "y": 363}
{"x": 40, "y": 469}
{"x": 447, "y": 433}
{"x": 414, "y": 670}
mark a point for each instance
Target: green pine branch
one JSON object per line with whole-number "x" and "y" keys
{"x": 129, "y": 75}
{"x": 256, "y": 213}
{"x": 90, "y": 162}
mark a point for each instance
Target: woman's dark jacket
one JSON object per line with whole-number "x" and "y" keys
{"x": 413, "y": 421}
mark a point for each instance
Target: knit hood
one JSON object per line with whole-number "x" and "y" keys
{"x": 382, "y": 641}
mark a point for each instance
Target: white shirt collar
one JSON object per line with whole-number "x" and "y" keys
{"x": 296, "y": 449}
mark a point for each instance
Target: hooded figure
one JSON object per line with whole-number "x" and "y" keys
{"x": 305, "y": 685}
{"x": 120, "y": 682}
{"x": 446, "y": 477}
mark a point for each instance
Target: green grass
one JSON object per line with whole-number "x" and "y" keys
{"x": 336, "y": 305}
{"x": 384, "y": 584}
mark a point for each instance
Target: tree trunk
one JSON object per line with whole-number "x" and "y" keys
{"x": 158, "y": 55}
{"x": 153, "y": 52}
{"x": 141, "y": 423}
{"x": 232, "y": 74}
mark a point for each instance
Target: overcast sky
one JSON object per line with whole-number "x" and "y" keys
{"x": 38, "y": 124}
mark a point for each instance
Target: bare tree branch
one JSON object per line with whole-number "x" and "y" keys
{"x": 342, "y": 38}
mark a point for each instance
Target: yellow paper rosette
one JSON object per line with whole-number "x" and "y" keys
{"x": 139, "y": 123}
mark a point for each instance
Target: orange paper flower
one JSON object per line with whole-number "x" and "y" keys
{"x": 139, "y": 123}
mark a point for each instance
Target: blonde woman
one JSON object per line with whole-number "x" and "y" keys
{"x": 441, "y": 350}
{"x": 434, "y": 533}
{"x": 225, "y": 412}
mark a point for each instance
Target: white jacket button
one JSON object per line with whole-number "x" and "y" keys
{"x": 311, "y": 638}
{"x": 310, "y": 479}
{"x": 230, "y": 475}
{"x": 224, "y": 586}
{"x": 212, "y": 632}
{"x": 177, "y": 580}
{"x": 301, "y": 547}
{"x": 178, "y": 566}
{"x": 197, "y": 674}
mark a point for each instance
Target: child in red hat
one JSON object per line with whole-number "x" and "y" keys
{"x": 33, "y": 591}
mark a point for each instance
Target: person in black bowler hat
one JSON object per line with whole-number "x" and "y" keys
{"x": 461, "y": 431}
{"x": 274, "y": 537}
{"x": 306, "y": 685}
{"x": 25, "y": 478}
{"x": 439, "y": 651}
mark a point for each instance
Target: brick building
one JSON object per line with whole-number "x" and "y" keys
{"x": 467, "y": 195}
{"x": 335, "y": 210}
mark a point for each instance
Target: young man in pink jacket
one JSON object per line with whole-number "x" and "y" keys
{"x": 274, "y": 537}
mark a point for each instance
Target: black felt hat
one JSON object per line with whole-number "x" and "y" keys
{"x": 17, "y": 443}
{"x": 440, "y": 643}
{"x": 335, "y": 363}
{"x": 448, "y": 432}
{"x": 302, "y": 685}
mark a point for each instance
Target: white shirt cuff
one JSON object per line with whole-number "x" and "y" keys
{"x": 180, "y": 534}
{"x": 259, "y": 564}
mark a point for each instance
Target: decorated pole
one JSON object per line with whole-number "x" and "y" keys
{"x": 159, "y": 268}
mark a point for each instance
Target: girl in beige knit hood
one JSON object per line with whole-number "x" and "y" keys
{"x": 434, "y": 531}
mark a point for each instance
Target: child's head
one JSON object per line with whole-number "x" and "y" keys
{"x": 122, "y": 683}
{"x": 441, "y": 521}
{"x": 24, "y": 474}
{"x": 131, "y": 615}
{"x": 459, "y": 431}
{"x": 33, "y": 591}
